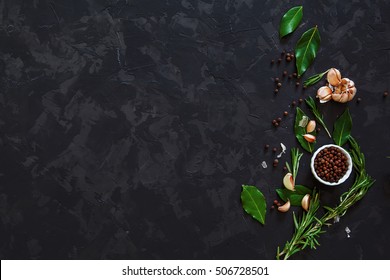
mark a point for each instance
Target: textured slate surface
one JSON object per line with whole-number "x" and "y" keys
{"x": 128, "y": 127}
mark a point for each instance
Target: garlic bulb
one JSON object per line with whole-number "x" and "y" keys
{"x": 345, "y": 91}
{"x": 339, "y": 89}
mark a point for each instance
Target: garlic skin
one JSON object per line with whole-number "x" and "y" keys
{"x": 334, "y": 77}
{"x": 285, "y": 207}
{"x": 345, "y": 92}
{"x": 324, "y": 94}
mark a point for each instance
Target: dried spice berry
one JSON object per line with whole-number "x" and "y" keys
{"x": 331, "y": 164}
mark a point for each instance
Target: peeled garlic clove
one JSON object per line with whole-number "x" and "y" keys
{"x": 324, "y": 94}
{"x": 285, "y": 207}
{"x": 306, "y": 202}
{"x": 311, "y": 126}
{"x": 334, "y": 77}
{"x": 309, "y": 138}
{"x": 288, "y": 182}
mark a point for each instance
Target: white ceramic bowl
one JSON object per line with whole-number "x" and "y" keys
{"x": 346, "y": 175}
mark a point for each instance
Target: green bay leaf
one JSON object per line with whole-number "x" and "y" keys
{"x": 296, "y": 196}
{"x": 342, "y": 128}
{"x": 300, "y": 131}
{"x": 253, "y": 202}
{"x": 306, "y": 49}
{"x": 290, "y": 21}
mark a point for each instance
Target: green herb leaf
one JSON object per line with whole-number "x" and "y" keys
{"x": 306, "y": 49}
{"x": 290, "y": 21}
{"x": 296, "y": 196}
{"x": 253, "y": 202}
{"x": 312, "y": 80}
{"x": 300, "y": 131}
{"x": 342, "y": 128}
{"x": 316, "y": 112}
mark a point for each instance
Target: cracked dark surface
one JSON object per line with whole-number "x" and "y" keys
{"x": 128, "y": 127}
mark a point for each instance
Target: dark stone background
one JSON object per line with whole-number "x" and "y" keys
{"x": 128, "y": 127}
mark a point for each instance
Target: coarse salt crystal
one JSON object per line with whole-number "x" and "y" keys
{"x": 264, "y": 164}
{"x": 348, "y": 231}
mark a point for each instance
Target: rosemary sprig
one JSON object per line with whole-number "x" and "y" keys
{"x": 308, "y": 228}
{"x": 314, "y": 109}
{"x": 295, "y": 158}
{"x": 314, "y": 79}
{"x": 361, "y": 185}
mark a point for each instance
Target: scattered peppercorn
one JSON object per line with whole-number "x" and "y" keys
{"x": 272, "y": 207}
{"x": 276, "y": 90}
{"x": 279, "y": 85}
{"x": 304, "y": 87}
{"x": 284, "y": 168}
{"x": 386, "y": 93}
{"x": 279, "y": 120}
{"x": 297, "y": 84}
{"x": 266, "y": 146}
{"x": 284, "y": 73}
{"x": 292, "y": 56}
{"x": 285, "y": 113}
{"x": 274, "y": 150}
{"x": 300, "y": 100}
{"x": 272, "y": 61}
{"x": 318, "y": 129}
{"x": 276, "y": 80}
{"x": 331, "y": 164}
{"x": 276, "y": 201}
{"x": 276, "y": 124}
{"x": 279, "y": 60}
{"x": 279, "y": 204}
{"x": 358, "y": 100}
{"x": 273, "y": 121}
{"x": 276, "y": 162}
{"x": 290, "y": 76}
{"x": 283, "y": 53}
{"x": 288, "y": 58}
{"x": 294, "y": 103}
{"x": 294, "y": 75}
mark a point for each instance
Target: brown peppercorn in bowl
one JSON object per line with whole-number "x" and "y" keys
{"x": 331, "y": 165}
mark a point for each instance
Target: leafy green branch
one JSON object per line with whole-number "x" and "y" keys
{"x": 316, "y": 112}
{"x": 308, "y": 228}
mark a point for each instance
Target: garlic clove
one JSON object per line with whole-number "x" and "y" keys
{"x": 309, "y": 138}
{"x": 324, "y": 94}
{"x": 351, "y": 93}
{"x": 334, "y": 77}
{"x": 311, "y": 126}
{"x": 288, "y": 182}
{"x": 306, "y": 202}
{"x": 285, "y": 207}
